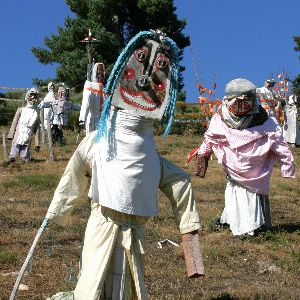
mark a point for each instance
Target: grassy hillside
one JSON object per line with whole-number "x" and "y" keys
{"x": 263, "y": 267}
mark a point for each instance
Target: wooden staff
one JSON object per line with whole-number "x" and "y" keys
{"x": 4, "y": 145}
{"x": 43, "y": 129}
{"x": 50, "y": 139}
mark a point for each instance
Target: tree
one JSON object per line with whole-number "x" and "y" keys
{"x": 113, "y": 23}
{"x": 296, "y": 82}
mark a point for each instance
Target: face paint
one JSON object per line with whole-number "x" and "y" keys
{"x": 143, "y": 87}
{"x": 240, "y": 106}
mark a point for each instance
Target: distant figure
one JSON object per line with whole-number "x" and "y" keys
{"x": 59, "y": 113}
{"x": 291, "y": 131}
{"x": 92, "y": 99}
{"x": 50, "y": 97}
{"x": 267, "y": 97}
{"x": 26, "y": 122}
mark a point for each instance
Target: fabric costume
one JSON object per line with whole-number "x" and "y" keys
{"x": 26, "y": 122}
{"x": 59, "y": 113}
{"x": 125, "y": 172}
{"x": 291, "y": 131}
{"x": 92, "y": 101}
{"x": 50, "y": 97}
{"x": 267, "y": 97}
{"x": 247, "y": 152}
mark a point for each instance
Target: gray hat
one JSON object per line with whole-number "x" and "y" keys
{"x": 239, "y": 87}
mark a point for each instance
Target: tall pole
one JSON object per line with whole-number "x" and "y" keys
{"x": 89, "y": 39}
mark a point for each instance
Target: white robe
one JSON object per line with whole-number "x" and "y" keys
{"x": 127, "y": 181}
{"x": 113, "y": 250}
{"x": 91, "y": 105}
{"x": 26, "y": 125}
{"x": 245, "y": 211}
{"x": 291, "y": 131}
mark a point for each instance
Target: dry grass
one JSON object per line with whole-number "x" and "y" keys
{"x": 264, "y": 267}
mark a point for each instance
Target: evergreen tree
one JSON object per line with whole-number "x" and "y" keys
{"x": 296, "y": 82}
{"x": 113, "y": 23}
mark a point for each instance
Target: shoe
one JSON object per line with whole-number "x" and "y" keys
{"x": 216, "y": 225}
{"x": 12, "y": 159}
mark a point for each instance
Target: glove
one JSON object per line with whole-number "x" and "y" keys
{"x": 201, "y": 165}
{"x": 37, "y": 149}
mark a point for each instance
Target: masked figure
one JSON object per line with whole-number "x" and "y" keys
{"x": 246, "y": 142}
{"x": 50, "y": 97}
{"x": 60, "y": 109}
{"x": 92, "y": 99}
{"x": 291, "y": 130}
{"x": 267, "y": 97}
{"x": 26, "y": 122}
{"x": 125, "y": 172}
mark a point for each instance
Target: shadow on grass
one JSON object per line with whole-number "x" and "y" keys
{"x": 290, "y": 228}
{"x": 224, "y": 296}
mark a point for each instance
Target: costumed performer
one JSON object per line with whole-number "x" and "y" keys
{"x": 247, "y": 143}
{"x": 26, "y": 122}
{"x": 121, "y": 163}
{"x": 92, "y": 99}
{"x": 267, "y": 97}
{"x": 291, "y": 130}
{"x": 60, "y": 109}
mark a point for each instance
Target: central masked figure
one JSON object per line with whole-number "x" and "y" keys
{"x": 144, "y": 85}
{"x": 123, "y": 171}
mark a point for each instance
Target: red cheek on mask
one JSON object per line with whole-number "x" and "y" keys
{"x": 129, "y": 74}
{"x": 160, "y": 87}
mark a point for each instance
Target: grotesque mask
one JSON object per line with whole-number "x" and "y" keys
{"x": 32, "y": 96}
{"x": 100, "y": 72}
{"x": 240, "y": 106}
{"x": 143, "y": 86}
{"x": 50, "y": 86}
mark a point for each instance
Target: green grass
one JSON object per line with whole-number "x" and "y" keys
{"x": 7, "y": 258}
{"x": 31, "y": 181}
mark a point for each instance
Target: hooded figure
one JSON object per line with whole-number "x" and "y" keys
{"x": 247, "y": 143}
{"x": 120, "y": 165}
{"x": 50, "y": 97}
{"x": 60, "y": 109}
{"x": 267, "y": 97}
{"x": 26, "y": 122}
{"x": 291, "y": 130}
{"x": 92, "y": 99}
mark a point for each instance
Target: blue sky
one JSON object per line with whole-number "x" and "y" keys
{"x": 250, "y": 39}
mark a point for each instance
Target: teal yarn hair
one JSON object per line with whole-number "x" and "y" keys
{"x": 118, "y": 69}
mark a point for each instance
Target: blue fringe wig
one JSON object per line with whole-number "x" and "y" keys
{"x": 118, "y": 69}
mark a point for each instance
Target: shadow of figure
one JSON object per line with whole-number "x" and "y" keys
{"x": 290, "y": 228}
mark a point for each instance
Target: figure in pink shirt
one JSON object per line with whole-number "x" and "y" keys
{"x": 247, "y": 143}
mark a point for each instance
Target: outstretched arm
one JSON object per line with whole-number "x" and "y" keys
{"x": 202, "y": 158}
{"x": 73, "y": 183}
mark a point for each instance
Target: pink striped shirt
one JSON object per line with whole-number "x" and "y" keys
{"x": 248, "y": 155}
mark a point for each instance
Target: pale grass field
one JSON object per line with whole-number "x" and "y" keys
{"x": 263, "y": 267}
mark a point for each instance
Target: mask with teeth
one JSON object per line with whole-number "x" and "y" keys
{"x": 143, "y": 86}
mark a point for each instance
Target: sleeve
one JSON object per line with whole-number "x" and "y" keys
{"x": 74, "y": 182}
{"x": 85, "y": 103}
{"x": 205, "y": 148}
{"x": 176, "y": 185}
{"x": 14, "y": 124}
{"x": 284, "y": 155}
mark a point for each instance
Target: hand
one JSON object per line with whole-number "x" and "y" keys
{"x": 201, "y": 165}
{"x": 37, "y": 149}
